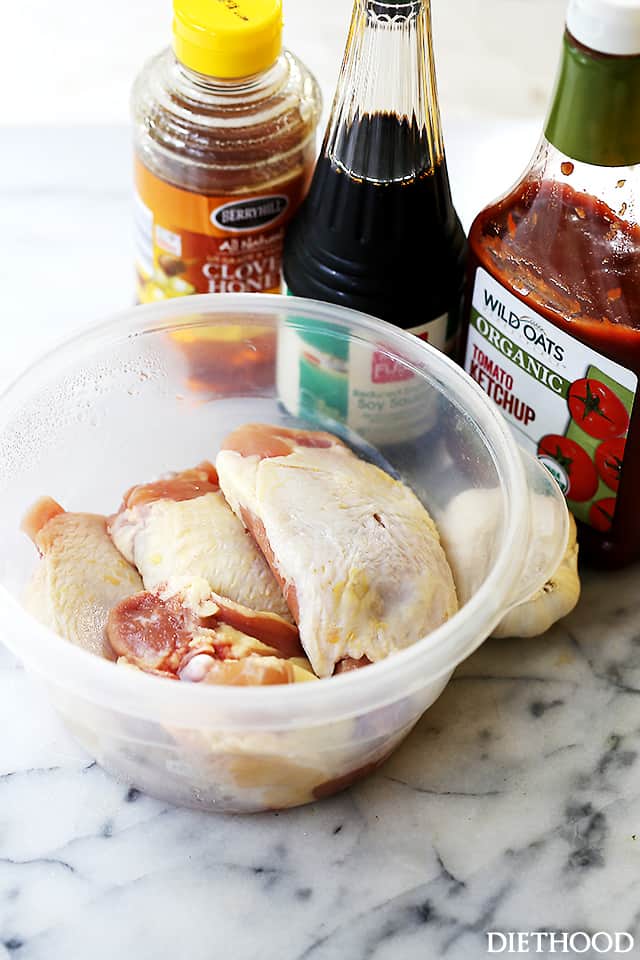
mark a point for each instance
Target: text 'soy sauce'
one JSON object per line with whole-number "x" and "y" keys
{"x": 553, "y": 301}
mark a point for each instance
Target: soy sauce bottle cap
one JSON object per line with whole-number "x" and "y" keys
{"x": 606, "y": 26}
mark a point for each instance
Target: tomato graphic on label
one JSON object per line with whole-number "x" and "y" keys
{"x": 609, "y": 456}
{"x": 597, "y": 409}
{"x": 577, "y": 475}
{"x": 601, "y": 514}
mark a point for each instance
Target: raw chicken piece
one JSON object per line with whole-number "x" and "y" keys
{"x": 358, "y": 557}
{"x": 252, "y": 671}
{"x": 81, "y": 576}
{"x": 181, "y": 535}
{"x": 260, "y": 624}
{"x": 165, "y": 638}
{"x": 349, "y": 664}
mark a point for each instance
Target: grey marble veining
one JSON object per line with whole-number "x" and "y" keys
{"x": 514, "y": 805}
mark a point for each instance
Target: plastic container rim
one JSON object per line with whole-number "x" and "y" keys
{"x": 413, "y": 669}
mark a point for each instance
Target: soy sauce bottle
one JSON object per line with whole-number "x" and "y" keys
{"x": 378, "y": 231}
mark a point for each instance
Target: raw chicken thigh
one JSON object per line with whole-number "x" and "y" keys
{"x": 86, "y": 591}
{"x": 357, "y": 555}
{"x": 183, "y": 538}
{"x": 80, "y": 577}
{"x": 297, "y": 529}
{"x": 167, "y": 638}
{"x": 211, "y": 611}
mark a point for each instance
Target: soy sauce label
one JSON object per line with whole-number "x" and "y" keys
{"x": 567, "y": 404}
{"x": 434, "y": 332}
{"x": 324, "y": 376}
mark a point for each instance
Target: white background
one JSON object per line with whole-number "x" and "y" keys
{"x": 73, "y": 61}
{"x": 65, "y": 151}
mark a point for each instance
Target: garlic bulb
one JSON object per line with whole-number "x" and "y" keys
{"x": 471, "y": 531}
{"x": 554, "y": 601}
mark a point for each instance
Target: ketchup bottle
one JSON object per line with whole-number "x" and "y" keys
{"x": 553, "y": 297}
{"x": 378, "y": 231}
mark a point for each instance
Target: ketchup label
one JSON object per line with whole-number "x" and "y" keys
{"x": 567, "y": 404}
{"x": 320, "y": 374}
{"x": 189, "y": 243}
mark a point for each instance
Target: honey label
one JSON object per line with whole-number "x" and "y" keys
{"x": 191, "y": 243}
{"x": 567, "y": 404}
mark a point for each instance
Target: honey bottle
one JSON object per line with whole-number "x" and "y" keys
{"x": 224, "y": 136}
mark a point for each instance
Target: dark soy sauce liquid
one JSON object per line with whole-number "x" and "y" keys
{"x": 372, "y": 236}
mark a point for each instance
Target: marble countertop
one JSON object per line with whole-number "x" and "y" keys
{"x": 514, "y": 805}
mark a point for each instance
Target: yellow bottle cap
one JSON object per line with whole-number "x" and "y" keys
{"x": 227, "y": 38}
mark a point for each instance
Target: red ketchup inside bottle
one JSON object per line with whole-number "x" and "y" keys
{"x": 574, "y": 261}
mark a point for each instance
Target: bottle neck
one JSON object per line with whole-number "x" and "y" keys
{"x": 595, "y": 113}
{"x": 388, "y": 75}
{"x": 207, "y": 86}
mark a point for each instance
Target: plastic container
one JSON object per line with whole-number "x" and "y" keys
{"x": 114, "y": 406}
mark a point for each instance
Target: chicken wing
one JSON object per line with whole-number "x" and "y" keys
{"x": 357, "y": 555}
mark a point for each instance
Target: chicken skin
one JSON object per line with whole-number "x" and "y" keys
{"x": 80, "y": 577}
{"x": 86, "y": 591}
{"x": 357, "y": 555}
{"x": 183, "y": 538}
{"x": 292, "y": 558}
